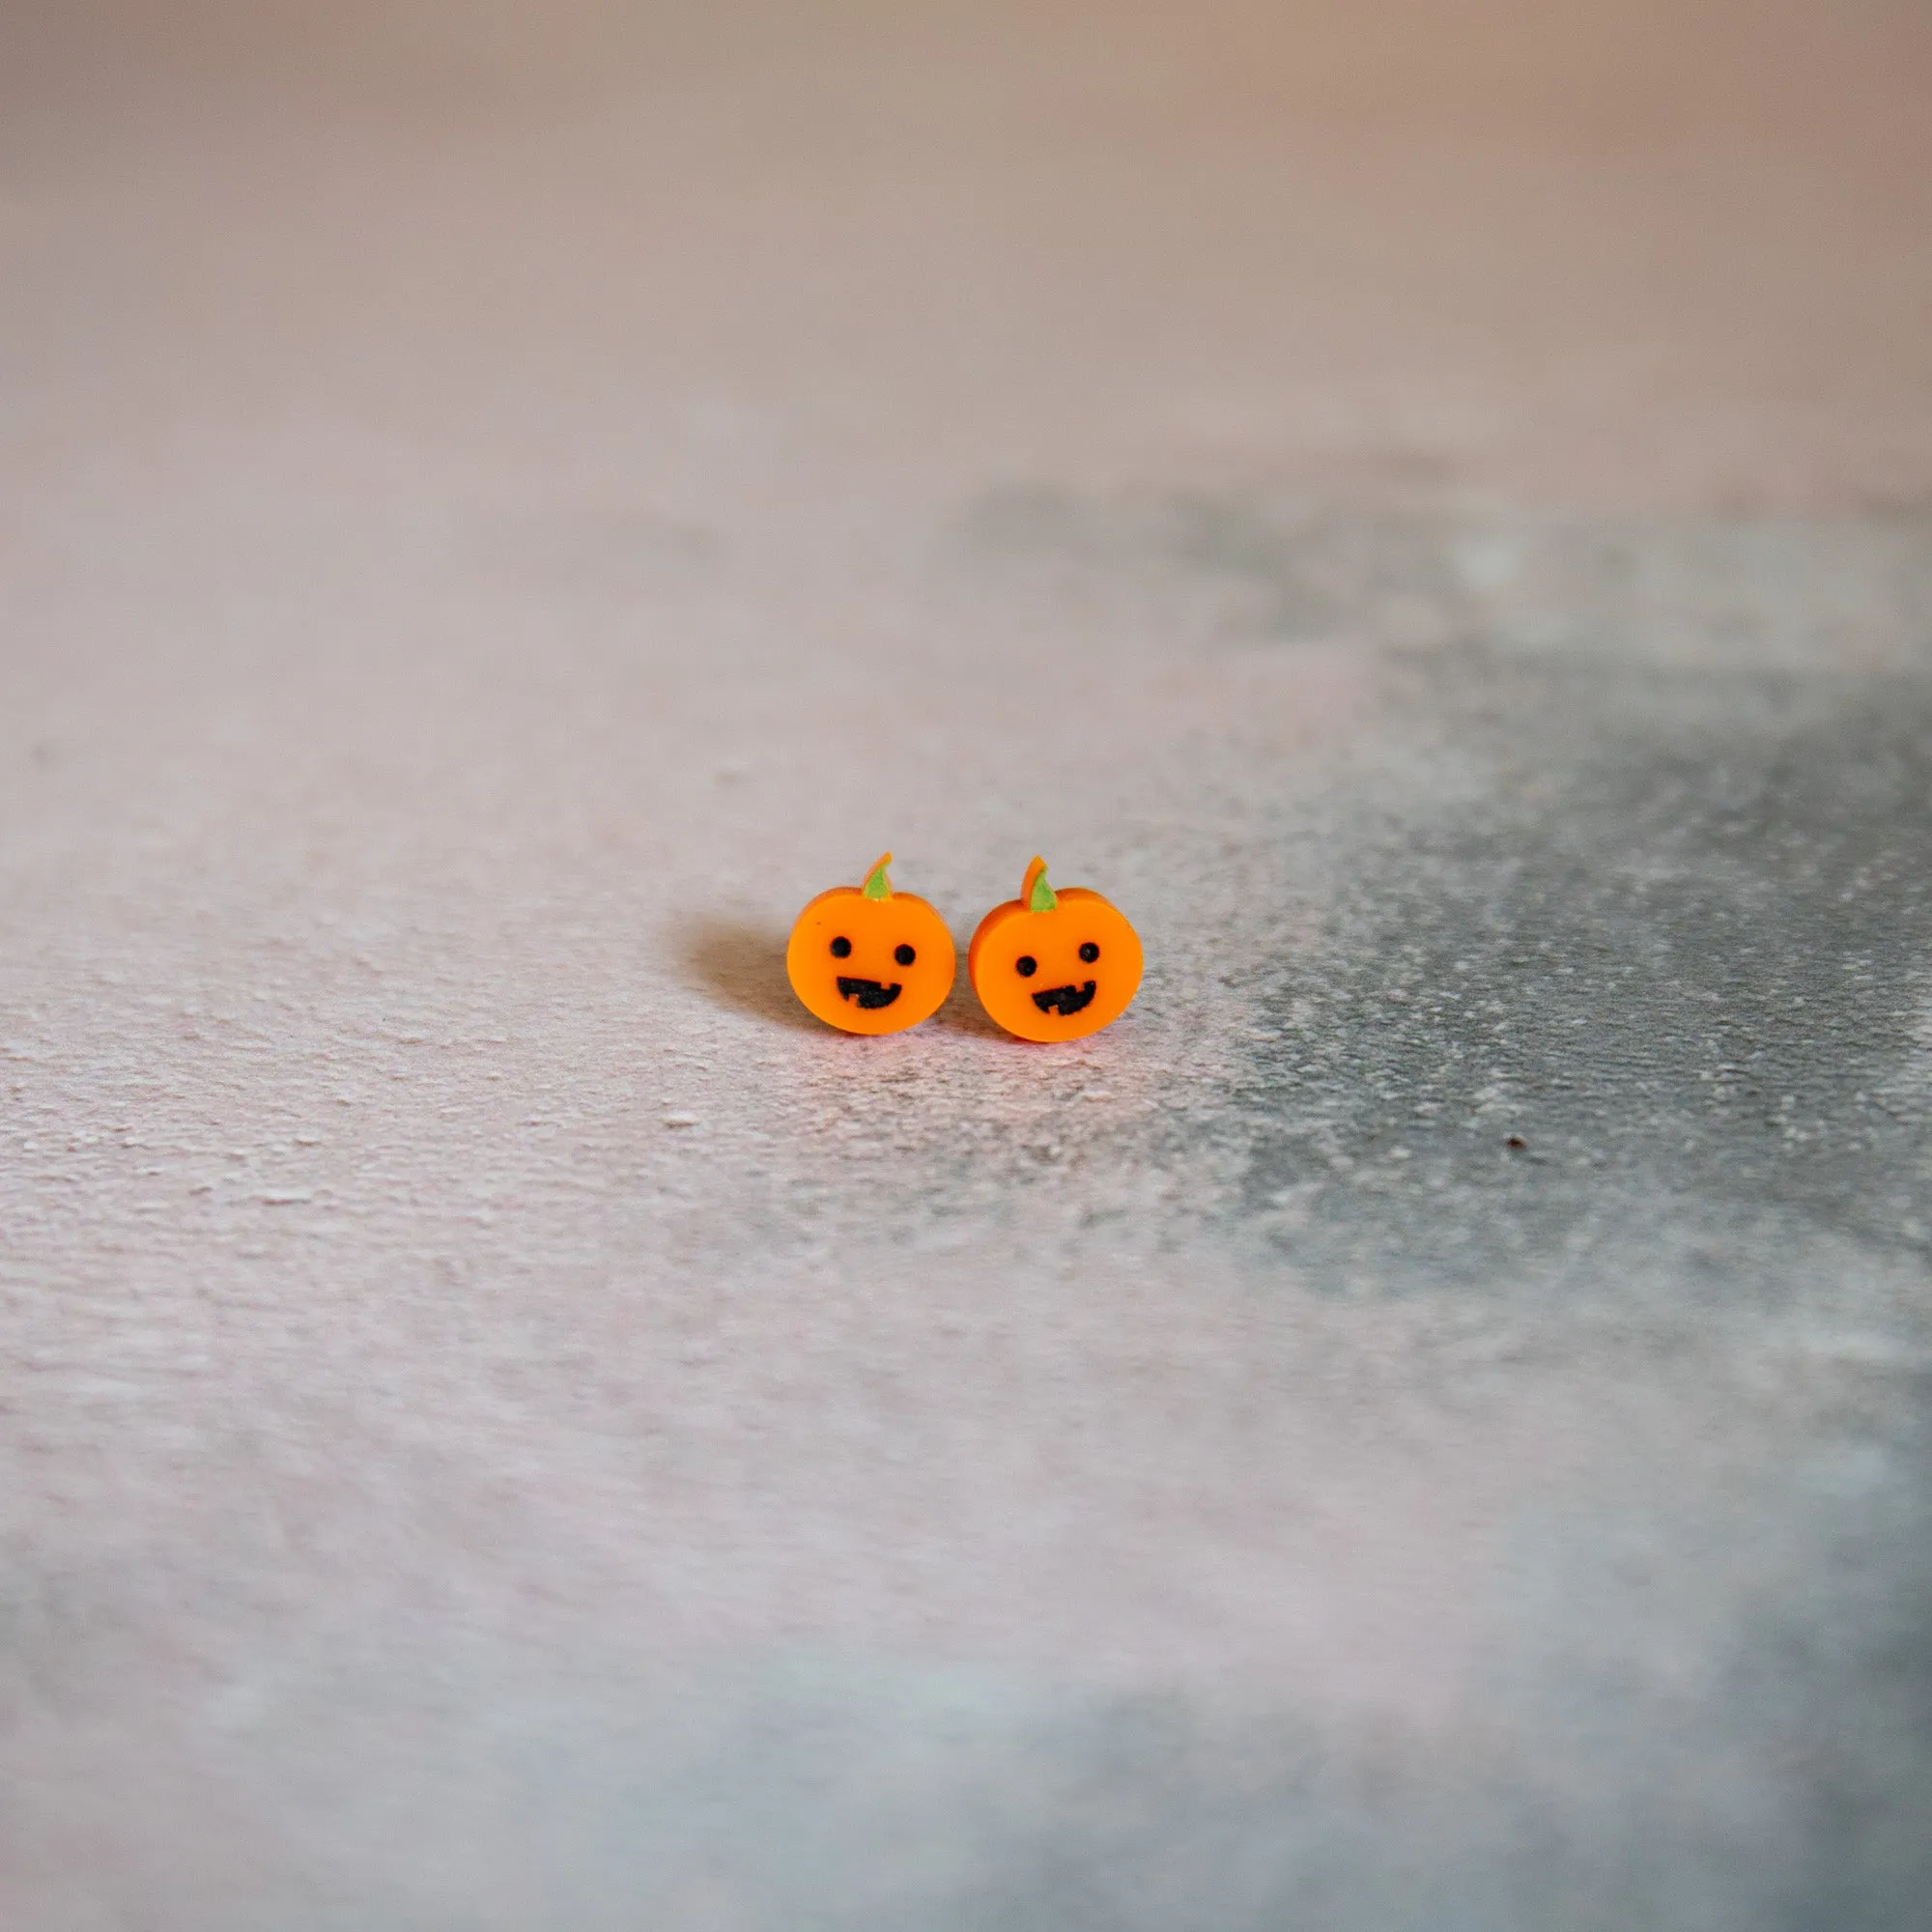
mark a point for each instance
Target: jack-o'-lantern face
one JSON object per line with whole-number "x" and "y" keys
{"x": 868, "y": 959}
{"x": 1055, "y": 965}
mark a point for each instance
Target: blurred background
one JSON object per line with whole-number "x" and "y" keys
{"x": 506, "y": 1422}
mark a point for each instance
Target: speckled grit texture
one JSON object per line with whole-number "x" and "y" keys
{"x": 506, "y": 1422}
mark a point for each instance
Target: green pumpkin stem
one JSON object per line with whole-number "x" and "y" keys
{"x": 1039, "y": 895}
{"x": 877, "y": 886}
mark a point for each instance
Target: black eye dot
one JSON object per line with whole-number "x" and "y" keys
{"x": 1026, "y": 965}
{"x": 904, "y": 954}
{"x": 842, "y": 949}
{"x": 1090, "y": 953}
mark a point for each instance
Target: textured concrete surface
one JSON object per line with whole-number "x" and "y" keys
{"x": 504, "y": 1422}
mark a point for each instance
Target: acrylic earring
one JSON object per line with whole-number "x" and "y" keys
{"x": 868, "y": 959}
{"x": 1055, "y": 965}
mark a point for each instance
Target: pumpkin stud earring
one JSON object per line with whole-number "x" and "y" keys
{"x": 1055, "y": 965}
{"x": 868, "y": 959}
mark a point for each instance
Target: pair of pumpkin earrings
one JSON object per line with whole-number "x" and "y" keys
{"x": 1048, "y": 965}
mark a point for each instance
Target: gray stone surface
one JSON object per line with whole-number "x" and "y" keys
{"x": 505, "y": 1422}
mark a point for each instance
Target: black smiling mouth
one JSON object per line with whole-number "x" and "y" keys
{"x": 1066, "y": 1001}
{"x": 873, "y": 995}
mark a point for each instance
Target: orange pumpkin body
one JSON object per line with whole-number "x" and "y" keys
{"x": 868, "y": 959}
{"x": 1055, "y": 965}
